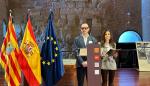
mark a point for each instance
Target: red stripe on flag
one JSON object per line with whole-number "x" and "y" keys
{"x": 5, "y": 42}
{"x": 30, "y": 77}
{"x": 30, "y": 30}
{"x": 14, "y": 68}
{"x": 13, "y": 33}
{"x": 12, "y": 82}
{"x": 9, "y": 77}
{"x": 3, "y": 58}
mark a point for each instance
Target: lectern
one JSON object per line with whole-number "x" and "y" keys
{"x": 93, "y": 61}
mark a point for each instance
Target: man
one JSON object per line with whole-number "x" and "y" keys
{"x": 82, "y": 41}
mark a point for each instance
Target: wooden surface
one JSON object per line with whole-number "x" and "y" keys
{"x": 131, "y": 77}
{"x": 124, "y": 77}
{"x": 69, "y": 78}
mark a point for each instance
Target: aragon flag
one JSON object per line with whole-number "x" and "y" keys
{"x": 30, "y": 61}
{"x": 10, "y": 55}
{"x": 52, "y": 65}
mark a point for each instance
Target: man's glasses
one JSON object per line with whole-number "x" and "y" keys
{"x": 84, "y": 28}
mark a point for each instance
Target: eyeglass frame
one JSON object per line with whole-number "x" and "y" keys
{"x": 84, "y": 28}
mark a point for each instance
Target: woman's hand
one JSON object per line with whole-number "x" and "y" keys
{"x": 115, "y": 54}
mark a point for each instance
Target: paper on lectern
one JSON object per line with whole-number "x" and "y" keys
{"x": 83, "y": 52}
{"x": 96, "y": 72}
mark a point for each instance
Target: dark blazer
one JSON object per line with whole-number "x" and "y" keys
{"x": 79, "y": 43}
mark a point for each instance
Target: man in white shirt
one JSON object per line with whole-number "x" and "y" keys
{"x": 82, "y": 41}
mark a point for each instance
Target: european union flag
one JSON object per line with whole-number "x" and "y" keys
{"x": 52, "y": 65}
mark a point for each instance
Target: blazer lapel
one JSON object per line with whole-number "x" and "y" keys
{"x": 82, "y": 41}
{"x": 88, "y": 39}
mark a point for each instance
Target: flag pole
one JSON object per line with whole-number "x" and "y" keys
{"x": 29, "y": 12}
{"x": 10, "y": 13}
{"x": 51, "y": 14}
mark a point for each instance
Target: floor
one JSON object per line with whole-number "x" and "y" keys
{"x": 131, "y": 77}
{"x": 124, "y": 77}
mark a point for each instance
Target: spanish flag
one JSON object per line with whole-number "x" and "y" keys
{"x": 30, "y": 61}
{"x": 10, "y": 55}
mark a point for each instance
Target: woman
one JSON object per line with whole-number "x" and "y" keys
{"x": 108, "y": 66}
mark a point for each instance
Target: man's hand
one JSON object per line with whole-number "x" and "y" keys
{"x": 84, "y": 64}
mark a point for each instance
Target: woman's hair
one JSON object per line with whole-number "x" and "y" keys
{"x": 111, "y": 42}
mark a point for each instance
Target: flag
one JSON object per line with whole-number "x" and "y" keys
{"x": 10, "y": 55}
{"x": 30, "y": 61}
{"x": 4, "y": 28}
{"x": 52, "y": 65}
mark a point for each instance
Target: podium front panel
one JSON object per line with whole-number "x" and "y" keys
{"x": 93, "y": 61}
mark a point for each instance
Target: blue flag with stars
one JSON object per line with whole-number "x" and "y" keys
{"x": 51, "y": 63}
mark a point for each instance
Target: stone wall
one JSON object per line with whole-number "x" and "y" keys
{"x": 3, "y": 15}
{"x": 117, "y": 15}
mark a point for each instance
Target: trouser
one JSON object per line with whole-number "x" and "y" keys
{"x": 107, "y": 77}
{"x": 81, "y": 73}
